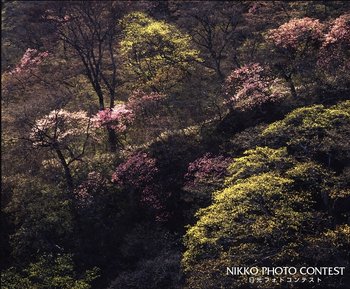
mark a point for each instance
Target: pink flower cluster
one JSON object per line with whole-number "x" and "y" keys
{"x": 123, "y": 115}
{"x": 89, "y": 189}
{"x": 334, "y": 53}
{"x": 249, "y": 86}
{"x": 117, "y": 118}
{"x": 206, "y": 173}
{"x": 295, "y": 32}
{"x": 30, "y": 60}
{"x": 339, "y": 32}
{"x": 329, "y": 42}
{"x": 139, "y": 101}
{"x": 139, "y": 172}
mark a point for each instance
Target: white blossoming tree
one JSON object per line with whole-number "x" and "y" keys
{"x": 66, "y": 134}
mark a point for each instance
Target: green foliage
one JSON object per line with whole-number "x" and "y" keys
{"x": 284, "y": 200}
{"x": 245, "y": 140}
{"x": 156, "y": 54}
{"x": 316, "y": 129}
{"x": 259, "y": 160}
{"x": 49, "y": 273}
{"x": 41, "y": 214}
{"x": 266, "y": 215}
{"x": 330, "y": 248}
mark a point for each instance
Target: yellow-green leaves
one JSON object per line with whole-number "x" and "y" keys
{"x": 269, "y": 211}
{"x": 315, "y": 129}
{"x": 261, "y": 159}
{"x": 156, "y": 54}
{"x": 50, "y": 272}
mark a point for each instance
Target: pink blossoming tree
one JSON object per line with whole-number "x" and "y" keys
{"x": 250, "y": 86}
{"x": 90, "y": 190}
{"x": 205, "y": 175}
{"x": 29, "y": 61}
{"x": 117, "y": 118}
{"x": 296, "y": 34}
{"x": 142, "y": 102}
{"x": 137, "y": 110}
{"x": 334, "y": 56}
{"x": 295, "y": 45}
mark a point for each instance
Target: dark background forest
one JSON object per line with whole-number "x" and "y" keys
{"x": 151, "y": 144}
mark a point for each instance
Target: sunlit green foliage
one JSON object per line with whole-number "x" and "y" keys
{"x": 49, "y": 273}
{"x": 253, "y": 185}
{"x": 157, "y": 54}
{"x": 315, "y": 129}
{"x": 259, "y": 160}
{"x": 270, "y": 210}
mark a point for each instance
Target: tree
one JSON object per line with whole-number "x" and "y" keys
{"x": 315, "y": 131}
{"x": 23, "y": 26}
{"x": 40, "y": 217}
{"x": 216, "y": 29}
{"x": 103, "y": 217}
{"x": 158, "y": 259}
{"x": 117, "y": 118}
{"x": 334, "y": 53}
{"x": 30, "y": 59}
{"x": 156, "y": 54}
{"x": 91, "y": 30}
{"x": 204, "y": 175}
{"x": 138, "y": 175}
{"x": 251, "y": 86}
{"x": 64, "y": 133}
{"x": 266, "y": 215}
{"x": 143, "y": 103}
{"x": 295, "y": 44}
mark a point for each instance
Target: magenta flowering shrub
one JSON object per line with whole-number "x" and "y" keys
{"x": 121, "y": 116}
{"x": 154, "y": 198}
{"x": 86, "y": 193}
{"x": 250, "y": 86}
{"x": 294, "y": 48}
{"x": 140, "y": 101}
{"x": 139, "y": 173}
{"x": 117, "y": 118}
{"x": 295, "y": 33}
{"x": 206, "y": 173}
{"x": 30, "y": 60}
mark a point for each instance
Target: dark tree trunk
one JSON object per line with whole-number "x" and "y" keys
{"x": 290, "y": 82}
{"x": 112, "y": 140}
{"x": 100, "y": 96}
{"x": 67, "y": 173}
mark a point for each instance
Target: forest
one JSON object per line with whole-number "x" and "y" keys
{"x": 154, "y": 144}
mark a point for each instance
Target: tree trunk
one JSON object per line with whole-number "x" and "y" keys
{"x": 112, "y": 139}
{"x": 111, "y": 99}
{"x": 289, "y": 80}
{"x": 218, "y": 70}
{"x": 67, "y": 173}
{"x": 100, "y": 96}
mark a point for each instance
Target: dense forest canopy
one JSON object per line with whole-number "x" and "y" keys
{"x": 153, "y": 144}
